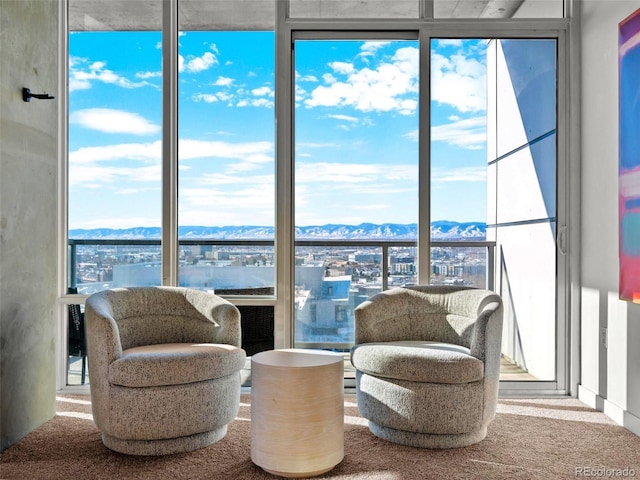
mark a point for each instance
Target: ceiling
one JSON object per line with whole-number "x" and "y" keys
{"x": 260, "y": 14}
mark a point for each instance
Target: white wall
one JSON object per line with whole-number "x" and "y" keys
{"x": 610, "y": 377}
{"x": 28, "y": 214}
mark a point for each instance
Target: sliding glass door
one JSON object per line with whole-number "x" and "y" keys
{"x": 355, "y": 180}
{"x": 226, "y": 165}
{"x": 487, "y": 182}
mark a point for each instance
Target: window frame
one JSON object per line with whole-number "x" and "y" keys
{"x": 286, "y": 31}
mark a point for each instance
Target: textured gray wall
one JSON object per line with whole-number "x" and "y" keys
{"x": 28, "y": 212}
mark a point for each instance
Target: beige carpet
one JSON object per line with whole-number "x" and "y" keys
{"x": 529, "y": 439}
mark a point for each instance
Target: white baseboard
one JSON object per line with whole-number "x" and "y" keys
{"x": 618, "y": 414}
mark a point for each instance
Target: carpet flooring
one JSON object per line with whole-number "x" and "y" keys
{"x": 529, "y": 439}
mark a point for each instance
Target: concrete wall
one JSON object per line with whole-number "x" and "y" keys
{"x": 28, "y": 212}
{"x": 610, "y": 377}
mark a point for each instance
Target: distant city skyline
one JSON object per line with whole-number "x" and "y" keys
{"x": 356, "y": 130}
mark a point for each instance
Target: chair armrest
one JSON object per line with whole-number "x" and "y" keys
{"x": 102, "y": 333}
{"x": 486, "y": 341}
{"x": 227, "y": 316}
{"x": 103, "y": 347}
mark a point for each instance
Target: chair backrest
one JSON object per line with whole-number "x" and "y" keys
{"x": 425, "y": 312}
{"x": 153, "y": 315}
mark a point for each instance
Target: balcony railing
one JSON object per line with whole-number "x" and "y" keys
{"x": 385, "y": 247}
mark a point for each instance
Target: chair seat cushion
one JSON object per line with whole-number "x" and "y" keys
{"x": 416, "y": 361}
{"x": 175, "y": 364}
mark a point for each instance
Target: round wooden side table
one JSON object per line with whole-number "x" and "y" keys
{"x": 297, "y": 411}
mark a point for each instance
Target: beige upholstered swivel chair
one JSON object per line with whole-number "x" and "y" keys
{"x": 427, "y": 362}
{"x": 164, "y": 365}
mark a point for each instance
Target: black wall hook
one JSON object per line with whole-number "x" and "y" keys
{"x": 27, "y": 95}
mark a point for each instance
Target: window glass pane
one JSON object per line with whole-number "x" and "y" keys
{"x": 459, "y": 255}
{"x": 493, "y": 185}
{"x": 114, "y": 156}
{"x": 356, "y": 180}
{"x": 522, "y": 176}
{"x": 115, "y": 131}
{"x": 226, "y": 196}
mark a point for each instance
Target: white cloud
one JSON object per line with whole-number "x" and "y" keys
{"x": 97, "y": 176}
{"x": 305, "y": 78}
{"x": 391, "y": 86}
{"x": 205, "y": 97}
{"x": 452, "y": 42}
{"x": 224, "y": 97}
{"x": 369, "y": 49}
{"x": 202, "y": 63}
{"x": 328, "y": 78}
{"x": 262, "y": 91}
{"x": 82, "y": 74}
{"x": 334, "y": 174}
{"x": 250, "y": 152}
{"x": 316, "y": 145}
{"x": 342, "y": 68}
{"x": 108, "y": 120}
{"x": 257, "y": 97}
{"x": 459, "y": 81}
{"x": 256, "y": 102}
{"x": 322, "y": 187}
{"x": 470, "y": 133}
{"x": 85, "y": 162}
{"x": 223, "y": 199}
{"x": 248, "y": 155}
{"x": 223, "y": 82}
{"x": 145, "y": 152}
{"x": 126, "y": 220}
{"x": 465, "y": 174}
{"x": 262, "y": 102}
{"x": 194, "y": 64}
{"x": 346, "y": 118}
{"x": 148, "y": 75}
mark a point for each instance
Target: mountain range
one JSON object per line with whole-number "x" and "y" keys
{"x": 440, "y": 230}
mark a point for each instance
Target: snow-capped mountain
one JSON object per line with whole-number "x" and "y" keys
{"x": 440, "y": 230}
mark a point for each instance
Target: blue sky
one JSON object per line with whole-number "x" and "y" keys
{"x": 356, "y": 127}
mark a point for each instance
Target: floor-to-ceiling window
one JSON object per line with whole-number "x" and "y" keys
{"x": 355, "y": 179}
{"x": 318, "y": 162}
{"x": 226, "y": 163}
{"x": 115, "y": 158}
{"x": 114, "y": 168}
{"x": 201, "y": 215}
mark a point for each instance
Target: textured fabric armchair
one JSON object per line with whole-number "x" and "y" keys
{"x": 164, "y": 368}
{"x": 427, "y": 362}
